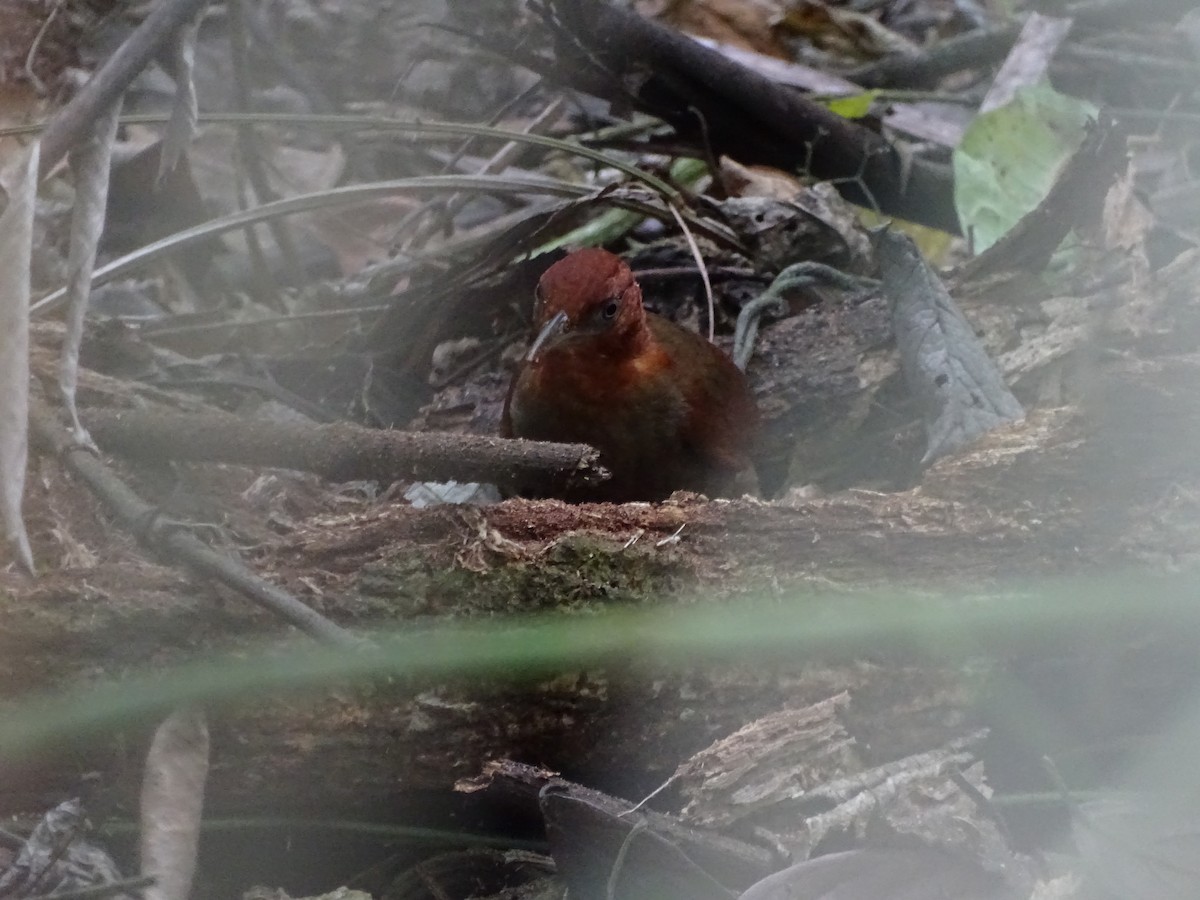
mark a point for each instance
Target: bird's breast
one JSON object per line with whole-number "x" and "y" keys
{"x": 623, "y": 406}
{"x": 674, "y": 414}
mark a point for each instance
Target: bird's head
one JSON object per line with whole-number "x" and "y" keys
{"x": 591, "y": 296}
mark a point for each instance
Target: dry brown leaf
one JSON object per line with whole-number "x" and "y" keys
{"x": 19, "y": 104}
{"x": 758, "y": 181}
{"x": 741, "y": 23}
{"x": 843, "y": 31}
{"x": 362, "y": 234}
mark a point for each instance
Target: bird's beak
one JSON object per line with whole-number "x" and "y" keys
{"x": 551, "y": 332}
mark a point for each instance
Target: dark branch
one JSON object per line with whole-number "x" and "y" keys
{"x": 173, "y": 542}
{"x": 343, "y": 452}
{"x": 76, "y": 119}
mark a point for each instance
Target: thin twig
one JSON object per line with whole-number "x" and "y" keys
{"x": 38, "y": 84}
{"x": 450, "y": 165}
{"x": 339, "y": 452}
{"x": 160, "y": 328}
{"x": 666, "y": 273}
{"x": 498, "y": 162}
{"x": 359, "y": 193}
{"x": 619, "y": 862}
{"x": 276, "y": 53}
{"x": 248, "y": 147}
{"x": 142, "y": 519}
{"x": 76, "y": 119}
{"x": 695, "y": 248}
{"x": 670, "y": 781}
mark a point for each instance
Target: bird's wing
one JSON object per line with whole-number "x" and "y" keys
{"x": 722, "y": 421}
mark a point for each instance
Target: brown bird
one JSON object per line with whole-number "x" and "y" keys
{"x": 666, "y": 409}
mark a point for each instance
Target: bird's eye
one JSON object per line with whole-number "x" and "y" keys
{"x": 610, "y": 310}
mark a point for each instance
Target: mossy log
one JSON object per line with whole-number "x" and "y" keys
{"x": 1106, "y": 480}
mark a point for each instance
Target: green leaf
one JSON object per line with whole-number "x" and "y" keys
{"x": 853, "y": 106}
{"x": 1010, "y": 156}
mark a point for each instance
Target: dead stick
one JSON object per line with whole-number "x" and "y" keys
{"x": 609, "y": 50}
{"x": 340, "y": 452}
{"x": 76, "y": 119}
{"x": 174, "y": 542}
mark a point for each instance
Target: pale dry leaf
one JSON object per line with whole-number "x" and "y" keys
{"x": 1064, "y": 887}
{"x": 172, "y": 802}
{"x": 181, "y": 127}
{"x": 1188, "y": 28}
{"x": 758, "y": 181}
{"x": 1028, "y": 60}
{"x": 290, "y": 170}
{"x": 16, "y": 249}
{"x": 1126, "y": 220}
{"x": 58, "y": 858}
{"x": 942, "y": 123}
{"x": 298, "y": 170}
{"x": 961, "y": 391}
{"x": 90, "y": 164}
{"x": 75, "y": 554}
{"x": 1125, "y": 227}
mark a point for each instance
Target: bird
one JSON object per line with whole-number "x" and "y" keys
{"x": 666, "y": 408}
